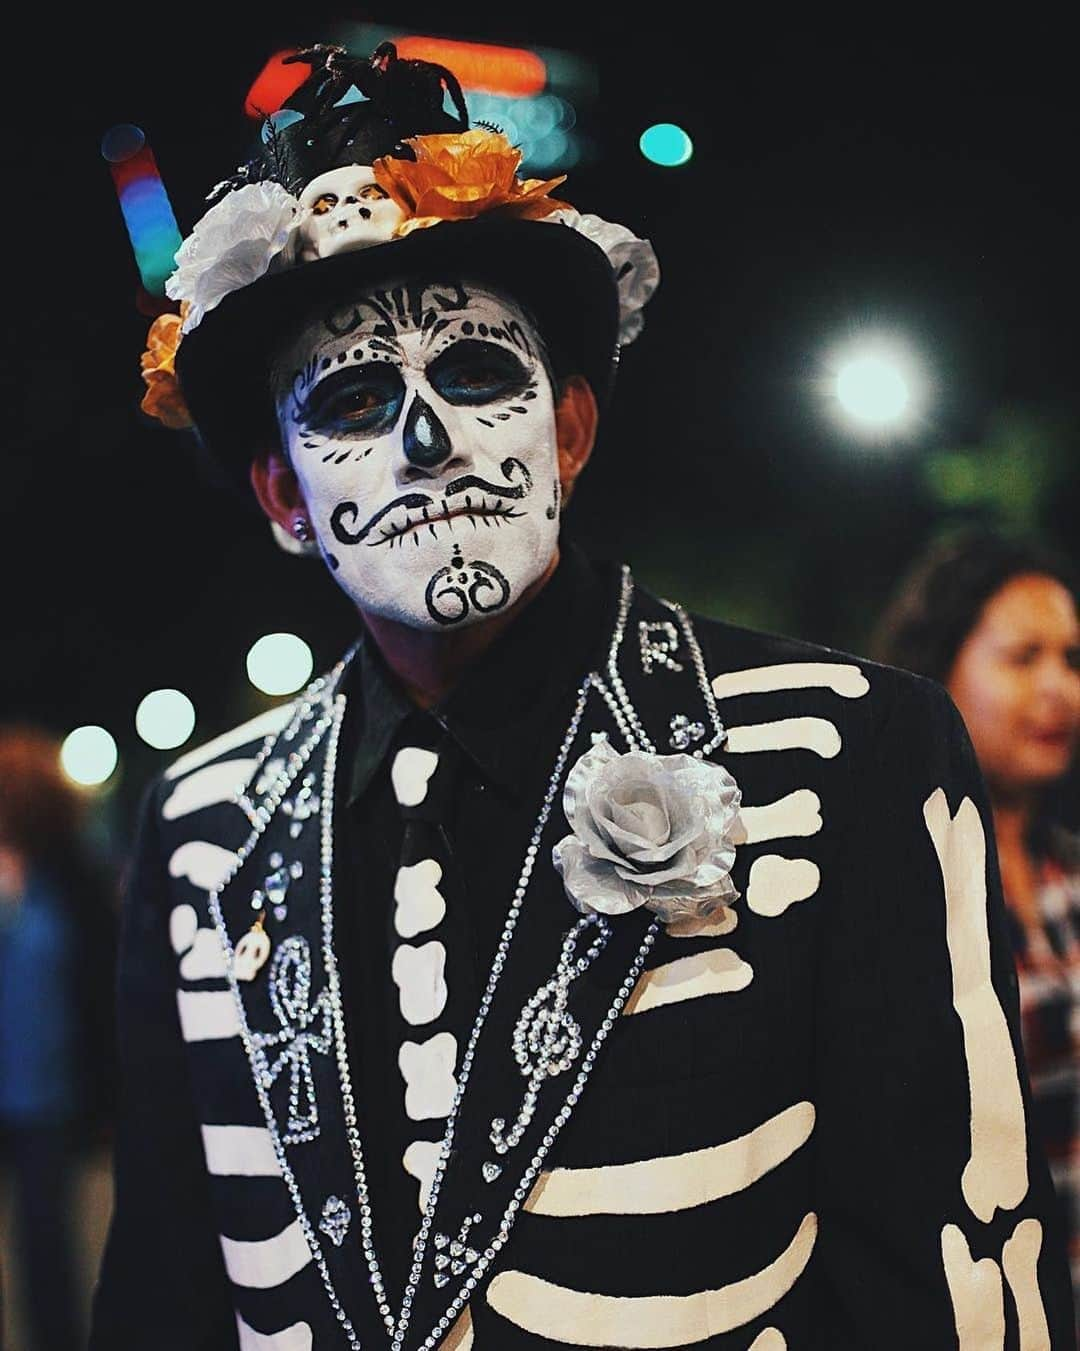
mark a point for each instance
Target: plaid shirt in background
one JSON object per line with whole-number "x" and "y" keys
{"x": 1048, "y": 966}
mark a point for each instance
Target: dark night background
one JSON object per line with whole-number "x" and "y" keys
{"x": 872, "y": 176}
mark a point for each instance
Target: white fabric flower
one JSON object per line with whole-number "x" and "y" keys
{"x": 652, "y": 830}
{"x": 231, "y": 246}
{"x": 633, "y": 260}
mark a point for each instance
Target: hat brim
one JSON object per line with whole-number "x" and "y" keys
{"x": 562, "y": 278}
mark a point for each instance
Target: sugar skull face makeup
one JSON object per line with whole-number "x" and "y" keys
{"x": 420, "y": 421}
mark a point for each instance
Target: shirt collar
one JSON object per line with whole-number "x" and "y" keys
{"x": 501, "y": 707}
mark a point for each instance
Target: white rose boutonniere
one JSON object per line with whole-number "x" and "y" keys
{"x": 648, "y": 830}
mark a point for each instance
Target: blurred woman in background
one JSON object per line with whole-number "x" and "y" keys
{"x": 996, "y": 622}
{"x": 57, "y": 940}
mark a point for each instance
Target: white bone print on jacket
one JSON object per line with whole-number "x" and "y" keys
{"x": 428, "y": 1070}
{"x": 996, "y": 1173}
{"x": 419, "y": 972}
{"x": 419, "y": 903}
{"x": 419, "y": 975}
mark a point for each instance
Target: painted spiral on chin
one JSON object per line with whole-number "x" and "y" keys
{"x": 454, "y": 592}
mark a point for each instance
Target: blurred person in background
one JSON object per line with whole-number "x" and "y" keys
{"x": 56, "y": 983}
{"x": 995, "y": 621}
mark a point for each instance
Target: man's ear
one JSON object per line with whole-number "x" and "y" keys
{"x": 278, "y": 490}
{"x": 576, "y": 419}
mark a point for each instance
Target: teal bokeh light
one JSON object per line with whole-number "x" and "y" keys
{"x": 666, "y": 144}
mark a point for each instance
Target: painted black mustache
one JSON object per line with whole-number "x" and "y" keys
{"x": 345, "y": 513}
{"x": 348, "y": 511}
{"x": 458, "y": 485}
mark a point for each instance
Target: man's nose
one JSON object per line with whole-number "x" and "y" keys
{"x": 425, "y": 442}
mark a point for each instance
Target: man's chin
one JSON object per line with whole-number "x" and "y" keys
{"x": 461, "y": 593}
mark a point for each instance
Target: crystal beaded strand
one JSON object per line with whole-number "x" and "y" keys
{"x": 326, "y": 880}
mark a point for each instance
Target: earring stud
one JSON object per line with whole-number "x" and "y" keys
{"x": 301, "y": 528}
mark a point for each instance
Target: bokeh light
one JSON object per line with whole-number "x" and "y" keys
{"x": 147, "y": 211}
{"x": 121, "y": 142}
{"x": 876, "y": 385}
{"x": 872, "y": 389}
{"x": 666, "y": 144}
{"x": 274, "y": 84}
{"x": 279, "y": 663}
{"x": 88, "y": 755}
{"x": 165, "y": 719}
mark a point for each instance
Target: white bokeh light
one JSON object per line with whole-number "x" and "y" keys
{"x": 872, "y": 389}
{"x": 279, "y": 663}
{"x": 876, "y": 385}
{"x": 88, "y": 755}
{"x": 165, "y": 719}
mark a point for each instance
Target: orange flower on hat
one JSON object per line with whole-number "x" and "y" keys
{"x": 164, "y": 398}
{"x": 462, "y": 175}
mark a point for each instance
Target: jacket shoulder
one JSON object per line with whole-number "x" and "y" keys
{"x": 237, "y": 742}
{"x": 742, "y": 653}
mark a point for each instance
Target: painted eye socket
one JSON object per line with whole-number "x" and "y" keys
{"x": 323, "y": 204}
{"x": 371, "y": 192}
{"x": 476, "y": 372}
{"x": 358, "y": 401}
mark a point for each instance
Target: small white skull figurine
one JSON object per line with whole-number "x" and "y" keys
{"x": 342, "y": 210}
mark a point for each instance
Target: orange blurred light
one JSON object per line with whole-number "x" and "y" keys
{"x": 273, "y": 85}
{"x": 477, "y": 65}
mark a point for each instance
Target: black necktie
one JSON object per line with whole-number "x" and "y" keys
{"x": 432, "y": 963}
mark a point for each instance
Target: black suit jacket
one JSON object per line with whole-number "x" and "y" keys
{"x": 802, "y": 1124}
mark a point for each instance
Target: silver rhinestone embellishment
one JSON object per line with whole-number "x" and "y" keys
{"x": 658, "y": 640}
{"x": 335, "y": 1221}
{"x": 305, "y": 1027}
{"x": 684, "y": 732}
{"x": 547, "y": 1039}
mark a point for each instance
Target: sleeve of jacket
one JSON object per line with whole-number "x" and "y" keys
{"x": 162, "y": 1281}
{"x": 938, "y": 1226}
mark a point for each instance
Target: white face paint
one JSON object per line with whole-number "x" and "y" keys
{"x": 420, "y": 421}
{"x": 342, "y": 210}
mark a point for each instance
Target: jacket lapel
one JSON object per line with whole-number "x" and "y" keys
{"x": 293, "y": 1026}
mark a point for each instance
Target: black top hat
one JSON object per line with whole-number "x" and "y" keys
{"x": 351, "y": 111}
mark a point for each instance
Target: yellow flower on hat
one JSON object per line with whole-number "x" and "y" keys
{"x": 164, "y": 398}
{"x": 462, "y": 175}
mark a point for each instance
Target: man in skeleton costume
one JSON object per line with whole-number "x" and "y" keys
{"x": 559, "y": 970}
